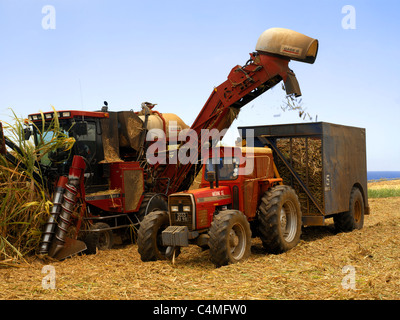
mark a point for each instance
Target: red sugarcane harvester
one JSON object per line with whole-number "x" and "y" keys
{"x": 118, "y": 186}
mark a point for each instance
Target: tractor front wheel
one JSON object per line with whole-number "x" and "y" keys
{"x": 230, "y": 238}
{"x": 149, "y": 241}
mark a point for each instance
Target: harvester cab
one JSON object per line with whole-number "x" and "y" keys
{"x": 96, "y": 141}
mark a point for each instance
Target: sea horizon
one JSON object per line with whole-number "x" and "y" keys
{"x": 387, "y": 175}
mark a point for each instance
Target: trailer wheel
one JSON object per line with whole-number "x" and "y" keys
{"x": 101, "y": 240}
{"x": 230, "y": 238}
{"x": 151, "y": 202}
{"x": 279, "y": 219}
{"x": 149, "y": 236}
{"x": 354, "y": 218}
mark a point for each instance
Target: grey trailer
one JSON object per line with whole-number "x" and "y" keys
{"x": 325, "y": 163}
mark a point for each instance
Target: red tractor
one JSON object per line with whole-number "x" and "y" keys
{"x": 232, "y": 203}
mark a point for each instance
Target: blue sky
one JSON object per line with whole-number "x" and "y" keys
{"x": 174, "y": 52}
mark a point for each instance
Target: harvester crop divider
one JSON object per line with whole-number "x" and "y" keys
{"x": 71, "y": 247}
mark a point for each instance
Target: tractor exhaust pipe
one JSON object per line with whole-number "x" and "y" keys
{"x": 48, "y": 232}
{"x": 59, "y": 248}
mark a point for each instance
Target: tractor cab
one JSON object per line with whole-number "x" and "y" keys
{"x": 238, "y": 163}
{"x": 241, "y": 169}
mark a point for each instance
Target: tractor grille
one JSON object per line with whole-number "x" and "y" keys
{"x": 181, "y": 210}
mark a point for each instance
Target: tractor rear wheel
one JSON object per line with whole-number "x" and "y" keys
{"x": 230, "y": 238}
{"x": 149, "y": 236}
{"x": 279, "y": 219}
{"x": 101, "y": 240}
{"x": 354, "y": 218}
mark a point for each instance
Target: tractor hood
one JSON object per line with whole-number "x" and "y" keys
{"x": 216, "y": 196}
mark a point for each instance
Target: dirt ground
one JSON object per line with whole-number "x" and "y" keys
{"x": 322, "y": 266}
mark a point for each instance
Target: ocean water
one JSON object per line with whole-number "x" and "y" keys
{"x": 376, "y": 175}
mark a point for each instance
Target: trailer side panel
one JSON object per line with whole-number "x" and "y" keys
{"x": 344, "y": 166}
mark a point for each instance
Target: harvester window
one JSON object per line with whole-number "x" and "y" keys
{"x": 86, "y": 143}
{"x": 48, "y": 139}
{"x": 227, "y": 167}
{"x": 90, "y": 134}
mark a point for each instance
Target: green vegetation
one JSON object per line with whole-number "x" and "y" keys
{"x": 383, "y": 193}
{"x": 24, "y": 203}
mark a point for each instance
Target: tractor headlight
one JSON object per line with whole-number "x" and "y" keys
{"x": 174, "y": 208}
{"x": 186, "y": 208}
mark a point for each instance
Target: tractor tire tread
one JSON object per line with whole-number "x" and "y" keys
{"x": 268, "y": 218}
{"x": 147, "y": 235}
{"x": 219, "y": 254}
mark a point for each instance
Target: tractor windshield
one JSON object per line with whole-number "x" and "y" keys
{"x": 227, "y": 167}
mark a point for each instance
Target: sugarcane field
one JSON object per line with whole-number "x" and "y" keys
{"x": 312, "y": 270}
{"x": 168, "y": 154}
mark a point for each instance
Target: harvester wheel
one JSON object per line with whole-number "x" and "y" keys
{"x": 151, "y": 202}
{"x": 230, "y": 238}
{"x": 279, "y": 219}
{"x": 354, "y": 218}
{"x": 101, "y": 240}
{"x": 149, "y": 236}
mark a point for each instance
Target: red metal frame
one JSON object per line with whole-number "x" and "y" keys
{"x": 73, "y": 114}
{"x": 116, "y": 202}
